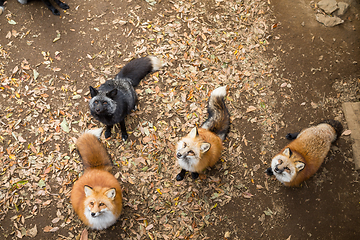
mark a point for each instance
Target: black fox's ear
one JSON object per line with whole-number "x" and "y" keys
{"x": 93, "y": 91}
{"x": 193, "y": 133}
{"x": 88, "y": 190}
{"x": 112, "y": 93}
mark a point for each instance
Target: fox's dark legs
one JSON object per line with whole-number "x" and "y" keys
{"x": 108, "y": 131}
{"x": 61, "y": 4}
{"x": 181, "y": 175}
{"x": 124, "y": 134}
{"x": 291, "y": 136}
{"x": 194, "y": 175}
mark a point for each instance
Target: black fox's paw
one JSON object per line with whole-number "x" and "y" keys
{"x": 124, "y": 136}
{"x": 55, "y": 11}
{"x": 64, "y": 6}
{"x": 179, "y": 177}
{"x": 194, "y": 175}
{"x": 291, "y": 136}
{"x": 107, "y": 133}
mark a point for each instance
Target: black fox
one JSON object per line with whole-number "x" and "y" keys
{"x": 116, "y": 97}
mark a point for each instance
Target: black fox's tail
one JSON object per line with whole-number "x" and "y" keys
{"x": 138, "y": 68}
{"x": 92, "y": 152}
{"x": 219, "y": 118}
{"x": 338, "y": 127}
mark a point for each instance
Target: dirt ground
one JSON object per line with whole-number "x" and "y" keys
{"x": 284, "y": 70}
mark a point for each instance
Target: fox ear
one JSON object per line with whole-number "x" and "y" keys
{"x": 111, "y": 193}
{"x": 112, "y": 93}
{"x": 193, "y": 133}
{"x": 93, "y": 91}
{"x": 299, "y": 166}
{"x": 88, "y": 190}
{"x": 205, "y": 147}
{"x": 287, "y": 152}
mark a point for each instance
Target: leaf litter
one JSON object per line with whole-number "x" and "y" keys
{"x": 204, "y": 45}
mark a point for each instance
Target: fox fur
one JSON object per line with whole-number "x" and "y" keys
{"x": 202, "y": 147}
{"x": 96, "y": 196}
{"x": 116, "y": 97}
{"x": 302, "y": 157}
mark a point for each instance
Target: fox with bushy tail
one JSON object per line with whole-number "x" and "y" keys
{"x": 115, "y": 99}
{"x": 202, "y": 147}
{"x": 96, "y": 196}
{"x": 302, "y": 157}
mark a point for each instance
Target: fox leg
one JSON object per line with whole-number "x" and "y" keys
{"x": 124, "y": 134}
{"x": 51, "y": 7}
{"x": 194, "y": 175}
{"x": 61, "y": 4}
{"x": 291, "y": 136}
{"x": 181, "y": 175}
{"x": 108, "y": 131}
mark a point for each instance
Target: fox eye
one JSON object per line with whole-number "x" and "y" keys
{"x": 101, "y": 204}
{"x": 191, "y": 152}
{"x": 105, "y": 103}
{"x": 96, "y": 102}
{"x": 185, "y": 145}
{"x": 92, "y": 203}
{"x": 286, "y": 168}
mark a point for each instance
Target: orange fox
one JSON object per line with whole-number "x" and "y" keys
{"x": 302, "y": 157}
{"x": 96, "y": 197}
{"x": 202, "y": 147}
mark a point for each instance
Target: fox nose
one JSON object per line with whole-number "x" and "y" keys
{"x": 97, "y": 110}
{"x": 178, "y": 155}
{"x": 93, "y": 214}
{"x": 277, "y": 170}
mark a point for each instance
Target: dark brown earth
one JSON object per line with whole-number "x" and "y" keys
{"x": 299, "y": 77}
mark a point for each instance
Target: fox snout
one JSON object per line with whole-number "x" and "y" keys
{"x": 178, "y": 155}
{"x": 277, "y": 170}
{"x": 98, "y": 110}
{"x": 94, "y": 214}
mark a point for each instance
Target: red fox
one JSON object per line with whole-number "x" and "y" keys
{"x": 202, "y": 147}
{"x": 96, "y": 197}
{"x": 301, "y": 158}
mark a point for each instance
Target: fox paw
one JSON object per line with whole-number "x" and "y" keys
{"x": 269, "y": 171}
{"x": 107, "y": 133}
{"x": 124, "y": 136}
{"x": 194, "y": 175}
{"x": 291, "y": 136}
{"x": 55, "y": 11}
{"x": 179, "y": 177}
{"x": 64, "y": 6}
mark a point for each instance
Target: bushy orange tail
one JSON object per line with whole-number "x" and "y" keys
{"x": 92, "y": 152}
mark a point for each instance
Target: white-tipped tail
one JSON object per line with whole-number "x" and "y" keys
{"x": 23, "y": 1}
{"x": 96, "y": 132}
{"x": 2, "y": 9}
{"x": 219, "y": 92}
{"x": 156, "y": 63}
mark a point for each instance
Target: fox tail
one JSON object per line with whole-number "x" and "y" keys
{"x": 219, "y": 119}
{"x": 92, "y": 152}
{"x": 138, "y": 68}
{"x": 338, "y": 127}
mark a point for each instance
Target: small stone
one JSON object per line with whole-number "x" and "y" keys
{"x": 328, "y": 21}
{"x": 343, "y": 7}
{"x": 329, "y": 6}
